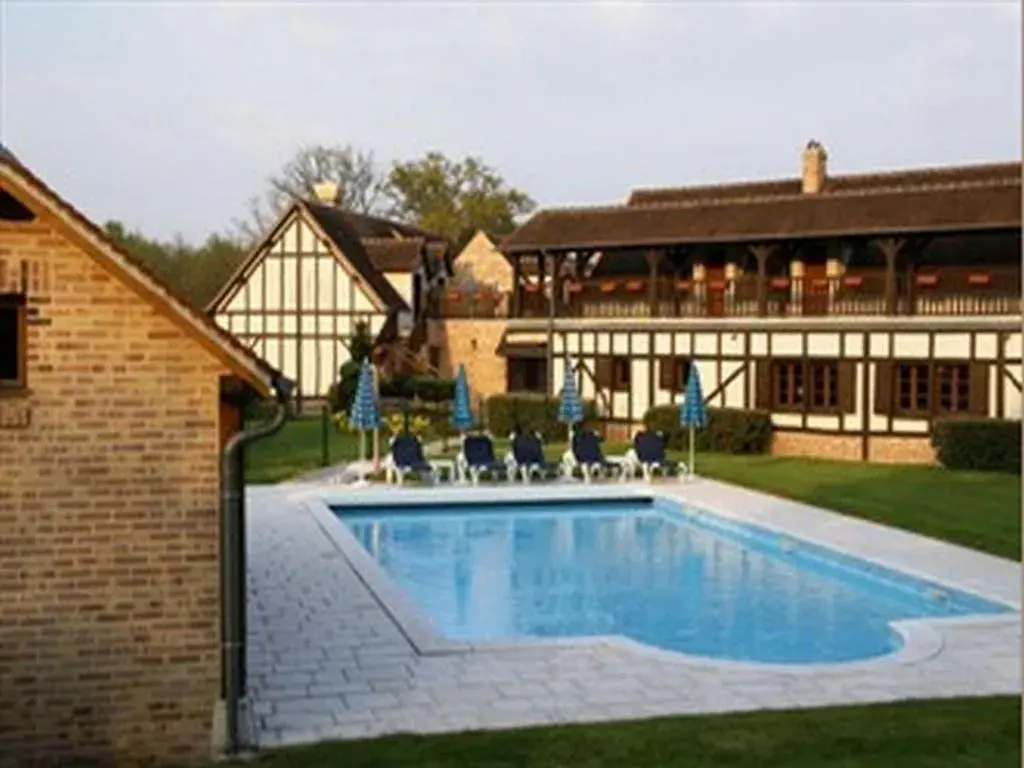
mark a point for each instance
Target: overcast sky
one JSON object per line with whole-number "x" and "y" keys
{"x": 171, "y": 116}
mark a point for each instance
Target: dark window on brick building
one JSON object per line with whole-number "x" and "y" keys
{"x": 12, "y": 341}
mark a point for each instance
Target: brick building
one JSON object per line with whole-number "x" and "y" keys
{"x": 116, "y": 400}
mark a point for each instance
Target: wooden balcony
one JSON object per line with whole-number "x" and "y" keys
{"x": 958, "y": 291}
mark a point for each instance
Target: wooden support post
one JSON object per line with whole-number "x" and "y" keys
{"x": 653, "y": 258}
{"x": 515, "y": 304}
{"x": 761, "y": 253}
{"x": 551, "y": 318}
{"x": 890, "y": 248}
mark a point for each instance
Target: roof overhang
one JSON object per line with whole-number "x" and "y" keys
{"x": 72, "y": 224}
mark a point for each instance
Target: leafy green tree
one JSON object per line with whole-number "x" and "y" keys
{"x": 195, "y": 273}
{"x": 453, "y": 198}
{"x": 360, "y": 347}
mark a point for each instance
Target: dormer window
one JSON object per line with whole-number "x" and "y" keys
{"x": 13, "y": 342}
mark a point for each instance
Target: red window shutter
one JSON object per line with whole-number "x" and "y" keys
{"x": 847, "y": 386}
{"x": 666, "y": 374}
{"x": 883, "y": 387}
{"x": 979, "y": 389}
{"x": 763, "y": 395}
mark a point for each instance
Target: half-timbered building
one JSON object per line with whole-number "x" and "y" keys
{"x": 320, "y": 271}
{"x": 855, "y": 308}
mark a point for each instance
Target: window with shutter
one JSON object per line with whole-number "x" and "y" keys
{"x": 13, "y": 341}
{"x": 762, "y": 384}
{"x": 603, "y": 372}
{"x": 883, "y": 387}
{"x": 848, "y": 386}
{"x": 979, "y": 372}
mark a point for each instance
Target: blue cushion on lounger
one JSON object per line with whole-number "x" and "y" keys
{"x": 408, "y": 454}
{"x": 586, "y": 447}
{"x": 479, "y": 452}
{"x": 527, "y": 450}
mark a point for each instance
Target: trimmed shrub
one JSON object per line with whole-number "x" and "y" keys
{"x": 729, "y": 430}
{"x": 983, "y": 444}
{"x": 535, "y": 413}
{"x": 424, "y": 388}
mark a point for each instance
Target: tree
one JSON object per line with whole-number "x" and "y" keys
{"x": 360, "y": 184}
{"x": 194, "y": 273}
{"x": 360, "y": 347}
{"x": 454, "y": 199}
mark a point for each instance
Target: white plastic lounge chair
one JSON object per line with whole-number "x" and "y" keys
{"x": 648, "y": 456}
{"x": 585, "y": 454}
{"x": 406, "y": 458}
{"x": 477, "y": 458}
{"x": 526, "y": 457}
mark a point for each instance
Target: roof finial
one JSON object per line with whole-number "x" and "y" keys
{"x": 326, "y": 192}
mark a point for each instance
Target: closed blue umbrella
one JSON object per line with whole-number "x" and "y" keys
{"x": 570, "y": 408}
{"x": 462, "y": 411}
{"x": 364, "y": 414}
{"x": 692, "y": 412}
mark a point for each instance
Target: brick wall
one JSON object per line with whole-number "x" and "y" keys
{"x": 893, "y": 450}
{"x": 108, "y": 524}
{"x": 841, "y": 447}
{"x": 901, "y": 450}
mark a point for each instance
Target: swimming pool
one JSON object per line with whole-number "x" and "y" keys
{"x": 651, "y": 570}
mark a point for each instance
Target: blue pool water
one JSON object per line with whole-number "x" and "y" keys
{"x": 651, "y": 571}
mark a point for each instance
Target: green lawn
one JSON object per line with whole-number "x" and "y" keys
{"x": 297, "y": 449}
{"x": 960, "y": 733}
{"x": 976, "y": 509}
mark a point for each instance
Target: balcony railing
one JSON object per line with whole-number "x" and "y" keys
{"x": 941, "y": 291}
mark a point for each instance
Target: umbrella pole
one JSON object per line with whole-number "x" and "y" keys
{"x": 691, "y": 451}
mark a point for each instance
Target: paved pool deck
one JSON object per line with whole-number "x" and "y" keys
{"x": 334, "y": 655}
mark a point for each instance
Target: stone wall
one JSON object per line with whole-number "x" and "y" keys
{"x": 890, "y": 450}
{"x": 109, "y": 486}
{"x": 473, "y": 343}
{"x": 481, "y": 262}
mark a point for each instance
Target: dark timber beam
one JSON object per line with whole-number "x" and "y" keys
{"x": 653, "y": 258}
{"x": 515, "y": 305}
{"x": 761, "y": 252}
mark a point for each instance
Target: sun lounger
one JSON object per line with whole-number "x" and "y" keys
{"x": 648, "y": 455}
{"x": 585, "y": 454}
{"x": 406, "y": 458}
{"x": 526, "y": 457}
{"x": 477, "y": 457}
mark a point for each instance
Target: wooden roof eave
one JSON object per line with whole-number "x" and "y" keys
{"x": 49, "y": 206}
{"x": 552, "y": 246}
{"x": 237, "y": 279}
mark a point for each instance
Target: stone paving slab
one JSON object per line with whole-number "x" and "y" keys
{"x": 326, "y": 661}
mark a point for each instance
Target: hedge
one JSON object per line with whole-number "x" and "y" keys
{"x": 983, "y": 444}
{"x": 729, "y": 430}
{"x": 535, "y": 413}
{"x": 425, "y": 388}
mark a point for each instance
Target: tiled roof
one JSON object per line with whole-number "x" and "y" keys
{"x": 337, "y": 225}
{"x": 979, "y": 198}
{"x": 900, "y": 179}
{"x": 175, "y": 304}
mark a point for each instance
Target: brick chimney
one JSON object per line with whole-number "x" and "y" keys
{"x": 326, "y": 192}
{"x": 815, "y": 167}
